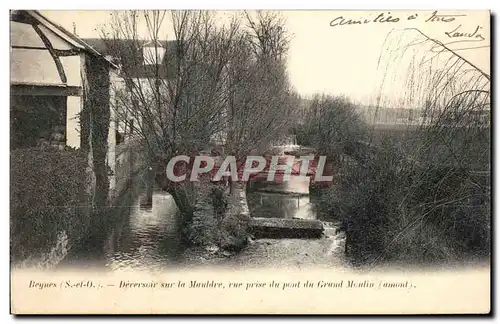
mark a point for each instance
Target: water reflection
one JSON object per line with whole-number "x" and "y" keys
{"x": 150, "y": 237}
{"x": 288, "y": 199}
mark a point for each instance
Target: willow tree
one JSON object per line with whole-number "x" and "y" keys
{"x": 213, "y": 83}
{"x": 425, "y": 195}
{"x": 262, "y": 104}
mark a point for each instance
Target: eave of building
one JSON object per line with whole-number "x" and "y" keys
{"x": 72, "y": 39}
{"x": 44, "y": 89}
{"x": 59, "y": 52}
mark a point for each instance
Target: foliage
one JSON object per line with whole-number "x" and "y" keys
{"x": 332, "y": 126}
{"x": 219, "y": 200}
{"x": 47, "y": 187}
{"x": 202, "y": 230}
{"x": 423, "y": 195}
{"x": 394, "y": 208}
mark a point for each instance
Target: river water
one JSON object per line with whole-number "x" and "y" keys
{"x": 288, "y": 199}
{"x": 148, "y": 236}
{"x": 140, "y": 236}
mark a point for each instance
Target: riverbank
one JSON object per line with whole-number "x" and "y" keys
{"x": 325, "y": 251}
{"x": 148, "y": 237}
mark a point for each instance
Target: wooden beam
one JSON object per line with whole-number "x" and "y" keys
{"x": 50, "y": 48}
{"x": 30, "y": 47}
{"x": 71, "y": 52}
{"x": 58, "y": 52}
{"x": 44, "y": 90}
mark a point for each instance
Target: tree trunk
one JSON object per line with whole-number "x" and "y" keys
{"x": 185, "y": 199}
{"x": 147, "y": 199}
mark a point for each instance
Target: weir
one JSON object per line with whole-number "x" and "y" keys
{"x": 286, "y": 228}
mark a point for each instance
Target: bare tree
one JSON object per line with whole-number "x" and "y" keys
{"x": 217, "y": 80}
{"x": 262, "y": 104}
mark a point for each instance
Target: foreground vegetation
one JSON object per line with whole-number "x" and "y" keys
{"x": 419, "y": 194}
{"x": 47, "y": 200}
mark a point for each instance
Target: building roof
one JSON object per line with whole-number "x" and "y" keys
{"x": 35, "y": 17}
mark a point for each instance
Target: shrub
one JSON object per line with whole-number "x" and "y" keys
{"x": 218, "y": 219}
{"x": 47, "y": 191}
{"x": 332, "y": 126}
{"x": 234, "y": 226}
{"x": 399, "y": 208}
{"x": 421, "y": 191}
{"x": 202, "y": 231}
{"x": 235, "y": 232}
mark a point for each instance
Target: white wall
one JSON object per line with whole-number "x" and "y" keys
{"x": 74, "y": 105}
{"x": 72, "y": 68}
{"x": 36, "y": 65}
{"x": 111, "y": 157}
{"x": 33, "y": 66}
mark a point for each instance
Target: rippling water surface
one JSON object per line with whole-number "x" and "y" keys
{"x": 149, "y": 237}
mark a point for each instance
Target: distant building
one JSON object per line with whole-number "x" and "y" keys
{"x": 142, "y": 62}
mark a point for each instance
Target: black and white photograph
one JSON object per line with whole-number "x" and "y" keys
{"x": 196, "y": 156}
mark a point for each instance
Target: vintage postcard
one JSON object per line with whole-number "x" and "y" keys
{"x": 250, "y": 162}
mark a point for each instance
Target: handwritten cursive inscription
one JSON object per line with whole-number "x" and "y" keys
{"x": 459, "y": 33}
{"x": 435, "y": 17}
{"x": 454, "y": 35}
{"x": 387, "y": 17}
{"x": 381, "y": 18}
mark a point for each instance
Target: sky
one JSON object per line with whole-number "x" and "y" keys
{"x": 329, "y": 53}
